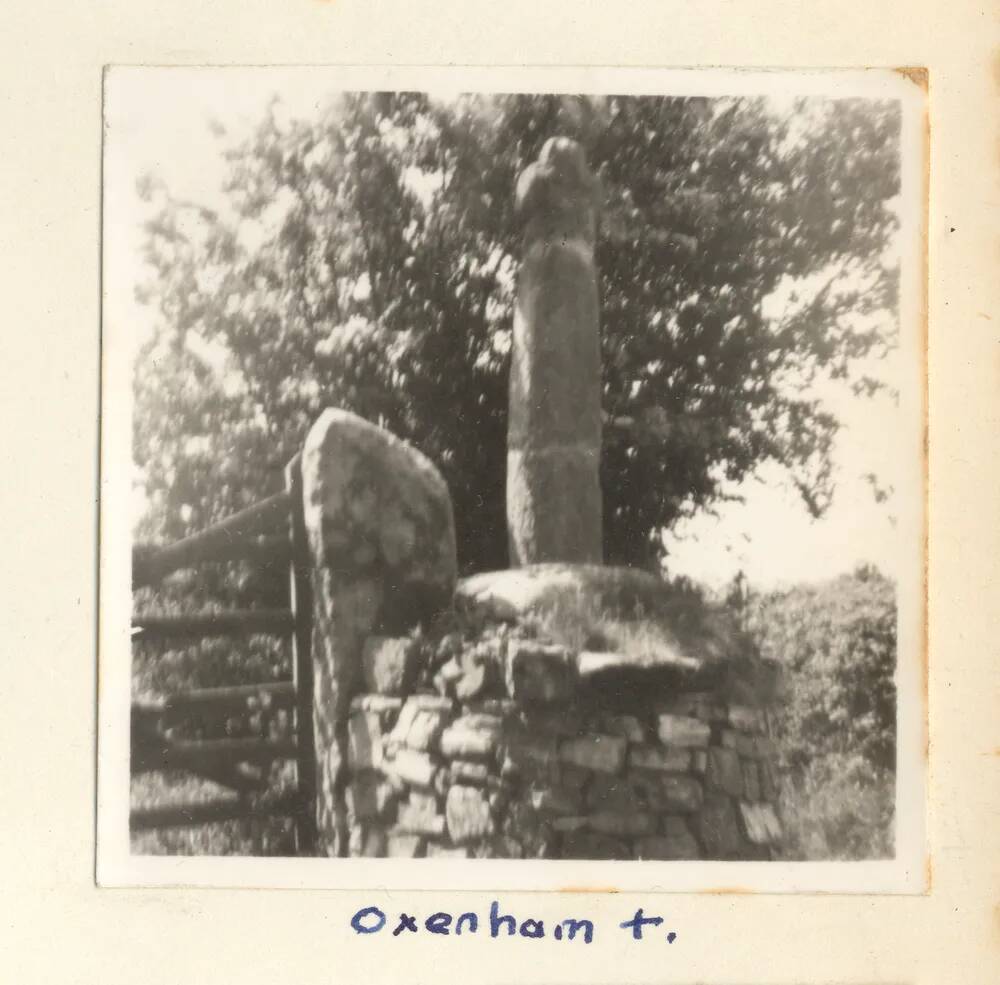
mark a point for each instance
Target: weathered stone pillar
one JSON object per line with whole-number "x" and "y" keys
{"x": 554, "y": 431}
{"x": 381, "y": 536}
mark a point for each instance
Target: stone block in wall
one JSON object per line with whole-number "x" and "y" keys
{"x": 745, "y": 718}
{"x": 593, "y": 845}
{"x": 367, "y": 840}
{"x": 725, "y": 772}
{"x": 533, "y": 756}
{"x": 539, "y": 673}
{"x": 464, "y": 739}
{"x": 416, "y": 769}
{"x": 718, "y": 828}
{"x": 659, "y": 758}
{"x": 676, "y": 843}
{"x": 420, "y": 815}
{"x": 473, "y": 682}
{"x": 401, "y": 845}
{"x": 467, "y": 811}
{"x": 447, "y": 676}
{"x": 375, "y": 843}
{"x": 680, "y": 793}
{"x": 389, "y": 664}
{"x": 364, "y": 740}
{"x": 385, "y": 706}
{"x": 469, "y": 773}
{"x": 437, "y": 850}
{"x": 665, "y": 791}
{"x": 627, "y": 726}
{"x": 562, "y": 722}
{"x": 703, "y": 705}
{"x": 699, "y": 761}
{"x": 499, "y": 708}
{"x": 573, "y": 777}
{"x": 681, "y": 730}
{"x": 760, "y": 823}
{"x": 651, "y": 790}
{"x": 421, "y": 722}
{"x": 751, "y": 781}
{"x": 769, "y": 787}
{"x": 634, "y": 824}
{"x": 369, "y": 796}
{"x": 475, "y": 719}
{"x": 569, "y": 823}
{"x": 474, "y": 672}
{"x": 531, "y": 832}
{"x": 449, "y": 646}
{"x": 601, "y": 753}
{"x": 743, "y": 744}
{"x": 607, "y": 792}
{"x": 498, "y": 798}
{"x": 554, "y": 799}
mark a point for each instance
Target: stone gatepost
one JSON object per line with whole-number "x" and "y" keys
{"x": 554, "y": 432}
{"x": 381, "y": 538}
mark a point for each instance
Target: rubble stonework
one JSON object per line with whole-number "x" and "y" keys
{"x": 546, "y": 763}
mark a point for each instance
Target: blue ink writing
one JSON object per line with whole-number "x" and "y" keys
{"x": 358, "y": 920}
{"x": 372, "y": 920}
{"x": 638, "y": 922}
{"x": 406, "y": 922}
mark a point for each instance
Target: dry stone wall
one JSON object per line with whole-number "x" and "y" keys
{"x": 452, "y": 720}
{"x": 497, "y": 744}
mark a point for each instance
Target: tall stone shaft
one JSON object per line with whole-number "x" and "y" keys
{"x": 554, "y": 430}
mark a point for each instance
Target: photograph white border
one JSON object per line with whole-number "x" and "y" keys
{"x": 907, "y": 873}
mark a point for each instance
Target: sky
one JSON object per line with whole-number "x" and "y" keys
{"x": 165, "y": 130}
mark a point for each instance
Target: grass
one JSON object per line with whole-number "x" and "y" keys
{"x": 256, "y": 836}
{"x": 582, "y": 623}
{"x": 833, "y": 811}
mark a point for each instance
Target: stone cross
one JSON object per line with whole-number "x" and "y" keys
{"x": 554, "y": 431}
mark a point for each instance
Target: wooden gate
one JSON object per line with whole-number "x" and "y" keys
{"x": 271, "y": 531}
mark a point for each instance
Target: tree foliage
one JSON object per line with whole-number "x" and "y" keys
{"x": 366, "y": 258}
{"x": 836, "y": 720}
{"x": 836, "y": 643}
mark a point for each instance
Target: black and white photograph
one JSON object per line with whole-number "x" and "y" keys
{"x": 505, "y": 474}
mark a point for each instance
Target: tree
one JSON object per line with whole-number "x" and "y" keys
{"x": 367, "y": 259}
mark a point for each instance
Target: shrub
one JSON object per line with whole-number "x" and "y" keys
{"x": 836, "y": 719}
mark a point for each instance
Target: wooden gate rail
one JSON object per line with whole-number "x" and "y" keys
{"x": 227, "y": 540}
{"x": 232, "y": 622}
{"x": 218, "y": 701}
{"x": 271, "y": 531}
{"x": 198, "y": 754}
{"x": 214, "y": 811}
{"x": 301, "y": 602}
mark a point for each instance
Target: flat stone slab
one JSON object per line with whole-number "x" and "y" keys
{"x": 695, "y": 634}
{"x": 677, "y": 730}
{"x": 601, "y": 753}
{"x": 659, "y": 758}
